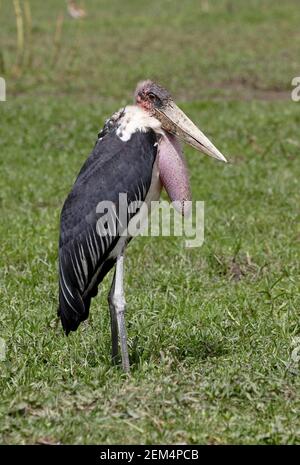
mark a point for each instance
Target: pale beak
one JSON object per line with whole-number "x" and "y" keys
{"x": 176, "y": 122}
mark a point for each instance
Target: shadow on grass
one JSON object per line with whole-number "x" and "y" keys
{"x": 191, "y": 349}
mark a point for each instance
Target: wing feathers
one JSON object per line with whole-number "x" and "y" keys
{"x": 114, "y": 167}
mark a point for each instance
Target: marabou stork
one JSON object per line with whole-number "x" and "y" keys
{"x": 137, "y": 153}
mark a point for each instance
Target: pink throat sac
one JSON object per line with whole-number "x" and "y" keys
{"x": 173, "y": 173}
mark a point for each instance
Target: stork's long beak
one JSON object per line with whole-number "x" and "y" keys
{"x": 176, "y": 122}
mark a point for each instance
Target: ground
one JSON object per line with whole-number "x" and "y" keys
{"x": 214, "y": 331}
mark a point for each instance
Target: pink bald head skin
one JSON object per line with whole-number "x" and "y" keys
{"x": 173, "y": 173}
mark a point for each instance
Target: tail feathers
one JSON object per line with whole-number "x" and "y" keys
{"x": 72, "y": 309}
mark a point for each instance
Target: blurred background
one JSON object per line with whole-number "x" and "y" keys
{"x": 199, "y": 49}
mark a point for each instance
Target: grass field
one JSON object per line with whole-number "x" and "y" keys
{"x": 213, "y": 331}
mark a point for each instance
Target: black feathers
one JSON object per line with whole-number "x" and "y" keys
{"x": 111, "y": 123}
{"x": 85, "y": 257}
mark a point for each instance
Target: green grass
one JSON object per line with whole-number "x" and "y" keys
{"x": 211, "y": 330}
{"x": 189, "y": 47}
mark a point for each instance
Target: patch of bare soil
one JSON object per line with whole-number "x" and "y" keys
{"x": 243, "y": 89}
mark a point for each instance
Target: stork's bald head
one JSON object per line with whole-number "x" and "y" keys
{"x": 150, "y": 96}
{"x": 157, "y": 101}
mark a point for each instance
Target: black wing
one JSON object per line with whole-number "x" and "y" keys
{"x": 113, "y": 167}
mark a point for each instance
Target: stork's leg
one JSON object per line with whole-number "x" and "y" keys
{"x": 113, "y": 321}
{"x": 117, "y": 306}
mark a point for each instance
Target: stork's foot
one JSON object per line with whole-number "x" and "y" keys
{"x": 117, "y": 306}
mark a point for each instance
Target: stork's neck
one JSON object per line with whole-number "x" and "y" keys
{"x": 136, "y": 119}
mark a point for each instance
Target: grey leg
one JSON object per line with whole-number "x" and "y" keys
{"x": 117, "y": 302}
{"x": 113, "y": 321}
